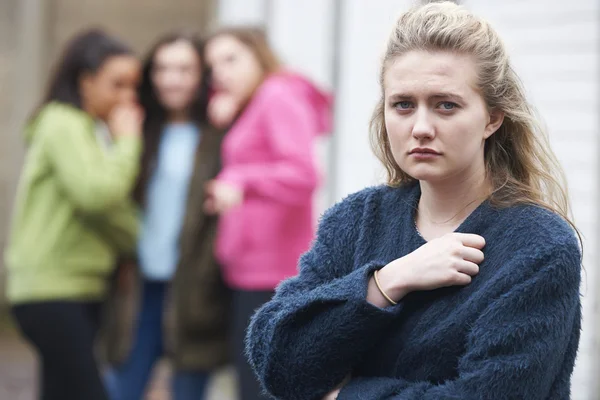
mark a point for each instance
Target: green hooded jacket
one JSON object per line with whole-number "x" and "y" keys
{"x": 73, "y": 214}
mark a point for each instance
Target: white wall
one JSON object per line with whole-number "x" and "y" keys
{"x": 365, "y": 26}
{"x": 242, "y": 11}
{"x": 304, "y": 36}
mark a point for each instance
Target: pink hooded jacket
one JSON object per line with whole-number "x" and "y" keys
{"x": 269, "y": 153}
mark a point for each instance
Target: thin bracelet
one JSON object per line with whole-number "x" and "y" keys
{"x": 388, "y": 298}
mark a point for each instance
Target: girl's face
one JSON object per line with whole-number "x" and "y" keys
{"x": 176, "y": 75}
{"x": 235, "y": 68}
{"x": 436, "y": 119}
{"x": 114, "y": 83}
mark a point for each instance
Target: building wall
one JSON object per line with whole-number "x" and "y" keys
{"x": 7, "y": 51}
{"x": 139, "y": 22}
{"x": 8, "y": 171}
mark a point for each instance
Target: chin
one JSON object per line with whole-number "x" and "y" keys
{"x": 174, "y": 105}
{"x": 426, "y": 173}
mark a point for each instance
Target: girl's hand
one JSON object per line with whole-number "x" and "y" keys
{"x": 222, "y": 109}
{"x": 126, "y": 120}
{"x": 335, "y": 392}
{"x": 450, "y": 260}
{"x": 222, "y": 197}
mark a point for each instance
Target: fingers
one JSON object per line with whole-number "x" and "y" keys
{"x": 221, "y": 197}
{"x": 460, "y": 279}
{"x": 215, "y": 202}
{"x": 209, "y": 188}
{"x": 222, "y": 109}
{"x": 468, "y": 268}
{"x": 124, "y": 109}
{"x": 138, "y": 112}
{"x": 472, "y": 254}
{"x": 210, "y": 206}
{"x": 470, "y": 240}
{"x": 127, "y": 115}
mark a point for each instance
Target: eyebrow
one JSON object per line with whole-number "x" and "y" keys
{"x": 439, "y": 95}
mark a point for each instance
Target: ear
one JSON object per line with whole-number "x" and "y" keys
{"x": 494, "y": 123}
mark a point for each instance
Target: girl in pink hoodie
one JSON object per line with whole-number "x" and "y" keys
{"x": 264, "y": 194}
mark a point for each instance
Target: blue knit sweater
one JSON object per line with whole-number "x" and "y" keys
{"x": 512, "y": 333}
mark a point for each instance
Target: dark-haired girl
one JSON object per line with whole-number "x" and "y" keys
{"x": 177, "y": 305}
{"x": 74, "y": 215}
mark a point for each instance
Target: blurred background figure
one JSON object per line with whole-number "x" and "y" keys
{"x": 180, "y": 305}
{"x": 73, "y": 214}
{"x": 264, "y": 193}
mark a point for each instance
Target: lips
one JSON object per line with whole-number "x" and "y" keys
{"x": 424, "y": 150}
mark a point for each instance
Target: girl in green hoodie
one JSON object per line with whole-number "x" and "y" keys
{"x": 73, "y": 215}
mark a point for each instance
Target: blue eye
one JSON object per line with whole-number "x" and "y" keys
{"x": 403, "y": 105}
{"x": 448, "y": 106}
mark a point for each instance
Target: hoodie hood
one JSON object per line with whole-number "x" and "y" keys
{"x": 55, "y": 111}
{"x": 320, "y": 100}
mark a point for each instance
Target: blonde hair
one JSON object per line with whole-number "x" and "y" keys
{"x": 518, "y": 159}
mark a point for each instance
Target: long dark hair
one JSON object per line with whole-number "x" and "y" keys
{"x": 157, "y": 115}
{"x": 85, "y": 53}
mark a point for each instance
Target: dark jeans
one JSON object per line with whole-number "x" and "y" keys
{"x": 245, "y": 304}
{"x": 129, "y": 380}
{"x": 63, "y": 334}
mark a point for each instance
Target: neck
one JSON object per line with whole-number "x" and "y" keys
{"x": 179, "y": 116}
{"x": 449, "y": 203}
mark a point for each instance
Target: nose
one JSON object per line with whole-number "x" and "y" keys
{"x": 423, "y": 127}
{"x": 173, "y": 78}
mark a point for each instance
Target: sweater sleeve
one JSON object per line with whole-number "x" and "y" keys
{"x": 516, "y": 348}
{"x": 94, "y": 180}
{"x": 307, "y": 338}
{"x": 292, "y": 176}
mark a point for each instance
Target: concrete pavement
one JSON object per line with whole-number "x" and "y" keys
{"x": 18, "y": 376}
